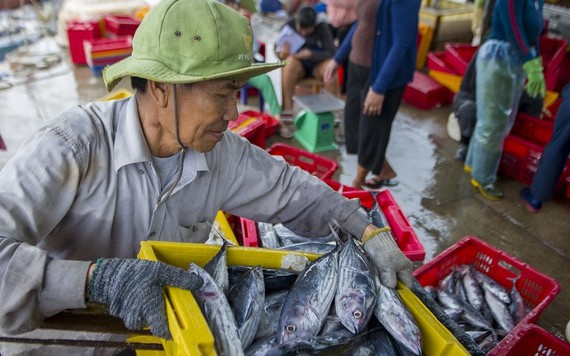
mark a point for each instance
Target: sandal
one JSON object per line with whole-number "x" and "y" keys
{"x": 375, "y": 183}
{"x": 285, "y": 132}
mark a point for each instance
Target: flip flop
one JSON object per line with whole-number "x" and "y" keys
{"x": 375, "y": 183}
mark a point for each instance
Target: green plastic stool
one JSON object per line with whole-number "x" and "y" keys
{"x": 315, "y": 131}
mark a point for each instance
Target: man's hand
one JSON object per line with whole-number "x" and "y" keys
{"x": 133, "y": 290}
{"x": 373, "y": 103}
{"x": 386, "y": 255}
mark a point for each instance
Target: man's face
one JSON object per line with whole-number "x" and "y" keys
{"x": 204, "y": 112}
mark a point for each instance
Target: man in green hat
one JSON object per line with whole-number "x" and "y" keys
{"x": 84, "y": 191}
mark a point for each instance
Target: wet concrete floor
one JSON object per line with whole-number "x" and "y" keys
{"x": 434, "y": 191}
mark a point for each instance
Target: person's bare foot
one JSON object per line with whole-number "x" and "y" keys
{"x": 357, "y": 184}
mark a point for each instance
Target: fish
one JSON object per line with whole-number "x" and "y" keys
{"x": 500, "y": 311}
{"x": 489, "y": 284}
{"x": 516, "y": 306}
{"x": 218, "y": 314}
{"x": 397, "y": 319}
{"x": 217, "y": 267}
{"x": 478, "y": 335}
{"x": 288, "y": 237}
{"x": 312, "y": 247}
{"x": 471, "y": 286}
{"x": 270, "y": 314}
{"x": 356, "y": 293}
{"x": 308, "y": 302}
{"x": 275, "y": 279}
{"x": 247, "y": 298}
{"x": 267, "y": 236}
{"x": 376, "y": 215}
{"x": 454, "y": 314}
{"x": 470, "y": 314}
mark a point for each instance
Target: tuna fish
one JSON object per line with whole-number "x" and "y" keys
{"x": 471, "y": 286}
{"x": 356, "y": 292}
{"x": 218, "y": 314}
{"x": 309, "y": 300}
{"x": 270, "y": 314}
{"x": 397, "y": 319}
{"x": 217, "y": 267}
{"x": 267, "y": 236}
{"x": 247, "y": 298}
{"x": 516, "y": 307}
{"x": 489, "y": 284}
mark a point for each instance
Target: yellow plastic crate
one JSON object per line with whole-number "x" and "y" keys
{"x": 117, "y": 95}
{"x": 450, "y": 81}
{"x": 190, "y": 332}
{"x": 425, "y": 34}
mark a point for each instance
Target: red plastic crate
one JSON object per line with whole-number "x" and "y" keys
{"x": 520, "y": 160}
{"x": 319, "y": 166}
{"x": 77, "y": 32}
{"x": 532, "y": 129}
{"x": 252, "y": 128}
{"x": 437, "y": 61}
{"x": 120, "y": 25}
{"x": 405, "y": 236}
{"x": 531, "y": 339}
{"x": 459, "y": 55}
{"x": 271, "y": 123}
{"x": 537, "y": 289}
{"x": 552, "y": 50}
{"x": 426, "y": 93}
{"x": 551, "y": 78}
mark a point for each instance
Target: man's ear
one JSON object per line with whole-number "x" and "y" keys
{"x": 159, "y": 92}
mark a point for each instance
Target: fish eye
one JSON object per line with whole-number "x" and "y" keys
{"x": 290, "y": 329}
{"x": 357, "y": 314}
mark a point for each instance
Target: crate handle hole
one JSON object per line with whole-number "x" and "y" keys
{"x": 509, "y": 267}
{"x": 307, "y": 160}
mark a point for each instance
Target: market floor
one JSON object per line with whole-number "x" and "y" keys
{"x": 434, "y": 191}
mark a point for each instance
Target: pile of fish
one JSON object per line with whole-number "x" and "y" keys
{"x": 485, "y": 309}
{"x": 277, "y": 236}
{"x": 336, "y": 304}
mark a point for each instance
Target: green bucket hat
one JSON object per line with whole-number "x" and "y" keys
{"x": 188, "y": 41}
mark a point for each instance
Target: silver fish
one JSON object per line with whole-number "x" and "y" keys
{"x": 218, "y": 314}
{"x": 471, "y": 286}
{"x": 516, "y": 307}
{"x": 267, "y": 236}
{"x": 454, "y": 314}
{"x": 288, "y": 237}
{"x": 312, "y": 247}
{"x": 356, "y": 292}
{"x": 500, "y": 311}
{"x": 489, "y": 284}
{"x": 270, "y": 314}
{"x": 309, "y": 300}
{"x": 217, "y": 267}
{"x": 397, "y": 319}
{"x": 247, "y": 298}
{"x": 470, "y": 315}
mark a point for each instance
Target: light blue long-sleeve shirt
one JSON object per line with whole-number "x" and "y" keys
{"x": 84, "y": 187}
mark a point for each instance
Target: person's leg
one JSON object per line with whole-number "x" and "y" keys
{"x": 465, "y": 114}
{"x": 331, "y": 87}
{"x": 375, "y": 135}
{"x": 554, "y": 156}
{"x": 498, "y": 91}
{"x": 353, "y": 106}
{"x": 290, "y": 75}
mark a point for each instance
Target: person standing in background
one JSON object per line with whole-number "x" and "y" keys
{"x": 503, "y": 61}
{"x": 553, "y": 159}
{"x": 381, "y": 50}
{"x": 341, "y": 14}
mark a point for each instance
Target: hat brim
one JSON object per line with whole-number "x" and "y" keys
{"x": 158, "y": 72}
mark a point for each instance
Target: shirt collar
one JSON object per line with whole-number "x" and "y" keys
{"x": 131, "y": 146}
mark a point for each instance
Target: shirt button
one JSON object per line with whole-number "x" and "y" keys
{"x": 152, "y": 234}
{"x": 141, "y": 172}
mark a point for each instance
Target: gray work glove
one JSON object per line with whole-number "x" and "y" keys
{"x": 386, "y": 255}
{"x": 133, "y": 290}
